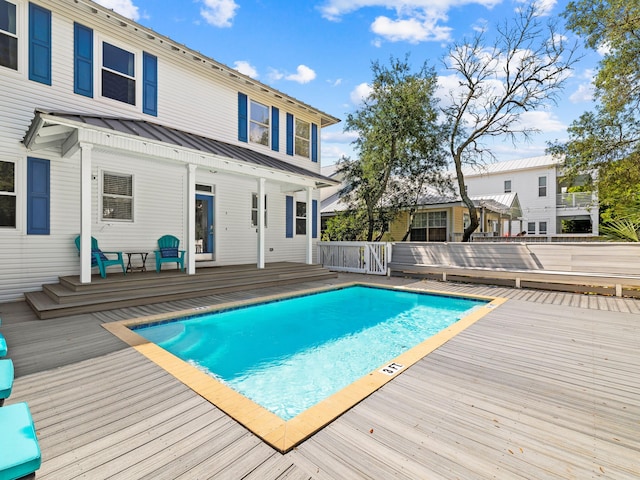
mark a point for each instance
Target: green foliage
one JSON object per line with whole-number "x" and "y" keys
{"x": 607, "y": 140}
{"x": 399, "y": 136}
{"x": 622, "y": 230}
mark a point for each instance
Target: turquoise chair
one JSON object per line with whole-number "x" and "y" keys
{"x": 19, "y": 449}
{"x": 168, "y": 252}
{"x": 99, "y": 258}
{"x": 6, "y": 381}
{"x": 3, "y": 346}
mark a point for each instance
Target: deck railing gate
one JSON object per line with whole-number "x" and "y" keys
{"x": 355, "y": 257}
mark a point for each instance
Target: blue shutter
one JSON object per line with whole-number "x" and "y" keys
{"x": 38, "y": 196}
{"x": 289, "y": 134}
{"x": 314, "y": 142}
{"x": 39, "y": 44}
{"x": 314, "y": 218}
{"x": 242, "y": 118}
{"x": 289, "y": 217}
{"x": 82, "y": 60}
{"x": 149, "y": 84}
{"x": 275, "y": 129}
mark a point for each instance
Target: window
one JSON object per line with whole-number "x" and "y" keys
{"x": 259, "y": 124}
{"x": 542, "y": 186}
{"x": 117, "y": 196}
{"x": 507, "y": 186}
{"x": 429, "y": 226}
{"x": 542, "y": 228}
{"x": 7, "y": 194}
{"x": 118, "y": 74}
{"x": 8, "y": 35}
{"x": 301, "y": 218}
{"x": 254, "y": 210}
{"x": 301, "y": 141}
{"x": 531, "y": 228}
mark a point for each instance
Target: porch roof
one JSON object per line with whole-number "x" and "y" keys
{"x": 52, "y": 129}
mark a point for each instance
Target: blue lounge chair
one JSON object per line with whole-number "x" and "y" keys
{"x": 99, "y": 258}
{"x": 6, "y": 380}
{"x": 3, "y": 346}
{"x": 168, "y": 252}
{"x": 19, "y": 449}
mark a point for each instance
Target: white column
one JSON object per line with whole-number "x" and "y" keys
{"x": 191, "y": 219}
{"x": 85, "y": 213}
{"x": 261, "y": 232}
{"x": 309, "y": 226}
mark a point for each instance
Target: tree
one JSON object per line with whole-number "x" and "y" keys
{"x": 521, "y": 70}
{"x": 607, "y": 140}
{"x": 398, "y": 132}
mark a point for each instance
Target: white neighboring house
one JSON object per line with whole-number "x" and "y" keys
{"x": 547, "y": 207}
{"x": 109, "y": 129}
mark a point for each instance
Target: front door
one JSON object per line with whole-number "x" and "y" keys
{"x": 205, "y": 246}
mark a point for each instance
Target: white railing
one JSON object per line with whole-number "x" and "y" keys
{"x": 355, "y": 257}
{"x": 578, "y": 199}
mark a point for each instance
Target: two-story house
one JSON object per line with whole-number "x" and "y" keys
{"x": 109, "y": 129}
{"x": 550, "y": 206}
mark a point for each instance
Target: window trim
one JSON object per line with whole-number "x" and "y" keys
{"x": 542, "y": 189}
{"x": 22, "y": 32}
{"x": 14, "y": 194}
{"x": 542, "y": 231}
{"x": 103, "y": 195}
{"x": 297, "y": 217}
{"x": 254, "y": 195}
{"x": 509, "y": 188}
{"x": 297, "y": 137}
{"x": 531, "y": 231}
{"x": 267, "y": 125}
{"x": 98, "y": 58}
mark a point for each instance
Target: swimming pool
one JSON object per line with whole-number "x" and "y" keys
{"x": 291, "y": 354}
{"x": 300, "y": 362}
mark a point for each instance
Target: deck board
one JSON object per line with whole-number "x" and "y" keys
{"x": 545, "y": 386}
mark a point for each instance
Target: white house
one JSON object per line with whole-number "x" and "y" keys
{"x": 109, "y": 129}
{"x": 547, "y": 207}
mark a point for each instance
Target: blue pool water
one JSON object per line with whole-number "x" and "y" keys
{"x": 288, "y": 355}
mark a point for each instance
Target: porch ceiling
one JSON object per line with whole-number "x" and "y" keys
{"x": 66, "y": 130}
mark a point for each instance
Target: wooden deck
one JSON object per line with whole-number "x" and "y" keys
{"x": 545, "y": 386}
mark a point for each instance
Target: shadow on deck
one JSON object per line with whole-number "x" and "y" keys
{"x": 70, "y": 297}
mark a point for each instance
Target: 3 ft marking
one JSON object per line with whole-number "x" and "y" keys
{"x": 391, "y": 369}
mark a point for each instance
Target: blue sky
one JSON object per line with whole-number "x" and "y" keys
{"x": 320, "y": 51}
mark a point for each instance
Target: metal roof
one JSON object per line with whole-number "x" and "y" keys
{"x": 169, "y": 135}
{"x": 513, "y": 165}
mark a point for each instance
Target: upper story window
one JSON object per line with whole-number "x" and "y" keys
{"x": 7, "y": 194}
{"x": 507, "y": 186}
{"x": 117, "y": 196}
{"x": 118, "y": 74}
{"x": 259, "y": 123}
{"x": 542, "y": 186}
{"x": 8, "y": 35}
{"x": 302, "y": 138}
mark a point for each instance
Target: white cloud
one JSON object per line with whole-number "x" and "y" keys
{"x": 125, "y": 8}
{"x": 246, "y": 68}
{"x": 544, "y": 122}
{"x": 303, "y": 75}
{"x": 335, "y": 83}
{"x": 360, "y": 93}
{"x": 338, "y": 137}
{"x": 411, "y": 30}
{"x": 219, "y": 13}
{"x": 544, "y": 6}
{"x": 584, "y": 93}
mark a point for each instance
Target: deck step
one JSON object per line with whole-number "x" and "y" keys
{"x": 69, "y": 297}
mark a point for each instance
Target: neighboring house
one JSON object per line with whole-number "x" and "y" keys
{"x": 109, "y": 129}
{"x": 441, "y": 218}
{"x": 547, "y": 206}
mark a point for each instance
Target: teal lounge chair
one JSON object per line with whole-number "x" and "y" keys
{"x": 99, "y": 258}
{"x": 6, "y": 381}
{"x": 3, "y": 346}
{"x": 168, "y": 252}
{"x": 19, "y": 450}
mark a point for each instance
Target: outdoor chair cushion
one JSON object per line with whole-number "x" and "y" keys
{"x": 19, "y": 450}
{"x": 3, "y": 346}
{"x": 6, "y": 379}
{"x": 169, "y": 252}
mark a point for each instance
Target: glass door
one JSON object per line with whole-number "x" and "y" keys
{"x": 205, "y": 246}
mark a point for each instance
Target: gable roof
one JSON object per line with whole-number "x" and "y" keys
{"x": 53, "y": 128}
{"x": 513, "y": 165}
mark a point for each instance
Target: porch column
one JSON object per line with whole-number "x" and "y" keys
{"x": 85, "y": 213}
{"x": 309, "y": 225}
{"x": 261, "y": 232}
{"x": 191, "y": 219}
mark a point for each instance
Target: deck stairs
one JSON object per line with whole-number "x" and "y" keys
{"x": 70, "y": 297}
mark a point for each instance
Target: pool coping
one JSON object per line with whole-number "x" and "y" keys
{"x": 280, "y": 434}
